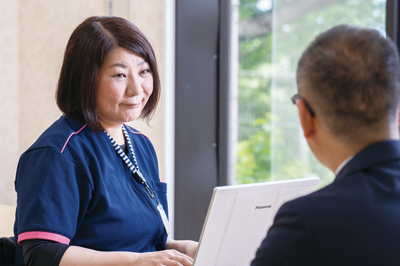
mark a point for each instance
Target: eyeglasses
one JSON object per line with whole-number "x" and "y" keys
{"x": 297, "y": 97}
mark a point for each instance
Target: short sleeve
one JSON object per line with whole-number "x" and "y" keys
{"x": 53, "y": 196}
{"x": 288, "y": 241}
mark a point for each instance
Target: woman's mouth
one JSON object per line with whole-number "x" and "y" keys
{"x": 132, "y": 105}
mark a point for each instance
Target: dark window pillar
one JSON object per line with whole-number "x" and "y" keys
{"x": 196, "y": 113}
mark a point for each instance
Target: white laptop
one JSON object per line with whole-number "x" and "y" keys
{"x": 239, "y": 217}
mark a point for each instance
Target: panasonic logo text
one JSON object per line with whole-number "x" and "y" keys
{"x": 263, "y": 207}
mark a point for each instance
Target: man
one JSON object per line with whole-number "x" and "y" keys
{"x": 348, "y": 96}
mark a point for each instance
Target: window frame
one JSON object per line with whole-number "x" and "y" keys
{"x": 202, "y": 66}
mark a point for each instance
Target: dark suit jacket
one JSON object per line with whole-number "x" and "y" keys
{"x": 353, "y": 221}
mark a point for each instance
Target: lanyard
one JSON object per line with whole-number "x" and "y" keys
{"x": 136, "y": 173}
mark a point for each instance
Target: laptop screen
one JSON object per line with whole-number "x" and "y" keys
{"x": 239, "y": 217}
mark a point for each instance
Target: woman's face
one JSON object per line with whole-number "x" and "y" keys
{"x": 124, "y": 87}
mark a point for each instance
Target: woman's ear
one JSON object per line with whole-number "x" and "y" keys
{"x": 306, "y": 119}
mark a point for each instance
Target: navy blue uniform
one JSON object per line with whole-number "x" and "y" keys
{"x": 74, "y": 189}
{"x": 353, "y": 221}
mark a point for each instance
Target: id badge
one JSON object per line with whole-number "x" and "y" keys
{"x": 164, "y": 218}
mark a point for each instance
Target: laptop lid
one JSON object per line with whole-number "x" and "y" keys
{"x": 239, "y": 217}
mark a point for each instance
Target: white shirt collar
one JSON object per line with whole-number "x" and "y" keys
{"x": 343, "y": 164}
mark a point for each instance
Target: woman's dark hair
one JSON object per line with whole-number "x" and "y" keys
{"x": 87, "y": 49}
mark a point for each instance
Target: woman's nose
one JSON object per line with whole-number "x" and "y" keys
{"x": 134, "y": 87}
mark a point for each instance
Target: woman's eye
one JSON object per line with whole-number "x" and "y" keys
{"x": 146, "y": 71}
{"x": 119, "y": 75}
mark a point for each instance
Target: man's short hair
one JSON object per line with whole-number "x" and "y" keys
{"x": 87, "y": 49}
{"x": 350, "y": 77}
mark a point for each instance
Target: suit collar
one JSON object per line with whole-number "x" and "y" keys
{"x": 343, "y": 164}
{"x": 374, "y": 154}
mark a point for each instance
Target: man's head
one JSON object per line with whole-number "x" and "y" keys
{"x": 350, "y": 78}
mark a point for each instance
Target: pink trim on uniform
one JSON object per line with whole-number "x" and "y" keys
{"x": 73, "y": 133}
{"x": 137, "y": 133}
{"x": 43, "y": 235}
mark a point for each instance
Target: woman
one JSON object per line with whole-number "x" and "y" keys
{"x": 90, "y": 184}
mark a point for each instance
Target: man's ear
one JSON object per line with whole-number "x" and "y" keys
{"x": 306, "y": 120}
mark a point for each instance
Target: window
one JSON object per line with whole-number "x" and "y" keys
{"x": 249, "y": 132}
{"x": 268, "y": 37}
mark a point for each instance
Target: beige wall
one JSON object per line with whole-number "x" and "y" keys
{"x": 9, "y": 102}
{"x": 44, "y": 29}
{"x": 149, "y": 17}
{"x": 7, "y": 215}
{"x": 34, "y": 34}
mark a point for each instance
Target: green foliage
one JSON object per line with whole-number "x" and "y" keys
{"x": 254, "y": 155}
{"x": 248, "y": 9}
{"x": 261, "y": 88}
{"x": 294, "y": 169}
{"x": 253, "y": 99}
{"x": 302, "y": 31}
{"x": 255, "y": 52}
{"x": 254, "y": 147}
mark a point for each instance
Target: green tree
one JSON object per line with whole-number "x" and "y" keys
{"x": 254, "y": 155}
{"x": 267, "y": 63}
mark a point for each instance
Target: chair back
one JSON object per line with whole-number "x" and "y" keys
{"x": 7, "y": 251}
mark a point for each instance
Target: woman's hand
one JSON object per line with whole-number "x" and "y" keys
{"x": 191, "y": 248}
{"x": 187, "y": 247}
{"x": 166, "y": 257}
